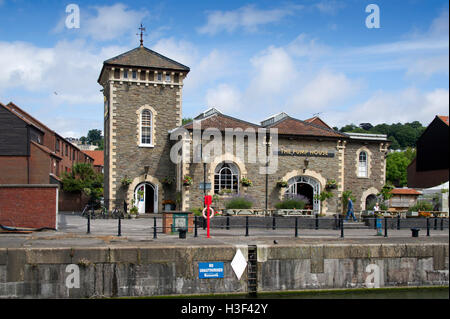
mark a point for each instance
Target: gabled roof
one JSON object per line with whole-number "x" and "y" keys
{"x": 291, "y": 126}
{"x": 221, "y": 122}
{"x": 318, "y": 121}
{"x": 144, "y": 57}
{"x": 443, "y": 118}
{"x": 98, "y": 157}
{"x": 22, "y": 115}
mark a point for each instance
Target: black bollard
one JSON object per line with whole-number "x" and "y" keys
{"x": 335, "y": 222}
{"x": 385, "y": 227}
{"x": 296, "y": 227}
{"x": 442, "y": 223}
{"x": 398, "y": 221}
{"x": 228, "y": 223}
{"x": 274, "y": 223}
{"x": 428, "y": 227}
{"x": 435, "y": 223}
{"x": 342, "y": 227}
{"x": 246, "y": 225}
{"x": 154, "y": 227}
{"x": 119, "y": 231}
{"x": 89, "y": 223}
{"x": 317, "y": 221}
{"x": 195, "y": 227}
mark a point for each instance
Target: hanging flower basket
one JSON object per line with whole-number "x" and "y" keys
{"x": 331, "y": 184}
{"x": 246, "y": 182}
{"x": 187, "y": 181}
{"x": 167, "y": 181}
{"x": 282, "y": 184}
{"x": 126, "y": 181}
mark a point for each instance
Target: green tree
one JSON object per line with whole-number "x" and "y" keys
{"x": 94, "y": 136}
{"x": 83, "y": 179}
{"x": 396, "y": 165}
{"x": 186, "y": 120}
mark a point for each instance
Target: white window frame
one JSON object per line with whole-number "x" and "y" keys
{"x": 363, "y": 165}
{"x": 234, "y": 173}
{"x": 141, "y": 144}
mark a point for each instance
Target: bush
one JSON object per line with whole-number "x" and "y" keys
{"x": 239, "y": 203}
{"x": 297, "y": 202}
{"x": 421, "y": 206}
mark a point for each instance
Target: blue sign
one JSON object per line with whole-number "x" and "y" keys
{"x": 210, "y": 270}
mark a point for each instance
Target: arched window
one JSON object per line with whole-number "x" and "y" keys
{"x": 146, "y": 127}
{"x": 362, "y": 166}
{"x": 226, "y": 177}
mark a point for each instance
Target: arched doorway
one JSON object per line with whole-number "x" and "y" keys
{"x": 305, "y": 186}
{"x": 146, "y": 198}
{"x": 371, "y": 200}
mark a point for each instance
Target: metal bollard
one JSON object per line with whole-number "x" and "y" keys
{"x": 296, "y": 227}
{"x": 195, "y": 227}
{"x": 274, "y": 223}
{"x": 119, "y": 231}
{"x": 385, "y": 227}
{"x": 228, "y": 223}
{"x": 335, "y": 222}
{"x": 89, "y": 223}
{"x": 246, "y": 225}
{"x": 375, "y": 223}
{"x": 317, "y": 221}
{"x": 442, "y": 223}
{"x": 428, "y": 227}
{"x": 154, "y": 228}
{"x": 342, "y": 227}
{"x": 398, "y": 222}
{"x": 435, "y": 223}
{"x": 204, "y": 223}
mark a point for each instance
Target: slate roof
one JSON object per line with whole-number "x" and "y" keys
{"x": 222, "y": 121}
{"x": 144, "y": 57}
{"x": 292, "y": 126}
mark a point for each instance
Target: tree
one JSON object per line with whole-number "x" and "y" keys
{"x": 94, "y": 136}
{"x": 366, "y": 126}
{"x": 83, "y": 179}
{"x": 186, "y": 120}
{"x": 396, "y": 165}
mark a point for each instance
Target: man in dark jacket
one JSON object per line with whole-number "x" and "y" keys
{"x": 350, "y": 210}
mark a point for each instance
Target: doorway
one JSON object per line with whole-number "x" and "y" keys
{"x": 146, "y": 198}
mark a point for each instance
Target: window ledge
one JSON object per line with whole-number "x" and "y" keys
{"x": 147, "y": 145}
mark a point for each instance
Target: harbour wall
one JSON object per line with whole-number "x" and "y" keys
{"x": 166, "y": 270}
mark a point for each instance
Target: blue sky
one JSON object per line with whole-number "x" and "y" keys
{"x": 248, "y": 59}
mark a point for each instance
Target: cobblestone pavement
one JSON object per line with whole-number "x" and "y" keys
{"x": 134, "y": 232}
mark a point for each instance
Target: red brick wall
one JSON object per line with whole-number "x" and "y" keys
{"x": 13, "y": 170}
{"x": 40, "y": 166}
{"x": 29, "y": 206}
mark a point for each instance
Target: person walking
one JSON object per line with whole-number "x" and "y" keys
{"x": 350, "y": 210}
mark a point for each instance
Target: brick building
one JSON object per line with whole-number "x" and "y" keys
{"x": 32, "y": 153}
{"x": 143, "y": 134}
{"x": 98, "y": 157}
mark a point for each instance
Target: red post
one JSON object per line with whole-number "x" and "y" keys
{"x": 208, "y": 201}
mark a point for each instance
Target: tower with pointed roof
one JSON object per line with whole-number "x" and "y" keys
{"x": 142, "y": 101}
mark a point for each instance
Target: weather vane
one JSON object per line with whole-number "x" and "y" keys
{"x": 142, "y": 29}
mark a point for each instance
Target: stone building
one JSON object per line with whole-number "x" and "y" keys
{"x": 150, "y": 156}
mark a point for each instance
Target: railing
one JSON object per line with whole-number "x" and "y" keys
{"x": 246, "y": 224}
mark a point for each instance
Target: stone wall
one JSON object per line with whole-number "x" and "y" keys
{"x": 128, "y": 159}
{"x": 150, "y": 271}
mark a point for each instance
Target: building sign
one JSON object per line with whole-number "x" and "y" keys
{"x": 305, "y": 153}
{"x": 205, "y": 186}
{"x": 210, "y": 270}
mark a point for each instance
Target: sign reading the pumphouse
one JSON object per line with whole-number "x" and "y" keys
{"x": 210, "y": 270}
{"x": 305, "y": 153}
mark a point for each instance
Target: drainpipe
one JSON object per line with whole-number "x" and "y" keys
{"x": 267, "y": 169}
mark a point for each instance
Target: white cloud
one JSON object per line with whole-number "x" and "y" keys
{"x": 429, "y": 66}
{"x": 403, "y": 106}
{"x": 224, "y": 97}
{"x": 326, "y": 89}
{"x": 248, "y": 18}
{"x": 181, "y": 51}
{"x": 274, "y": 71}
{"x": 329, "y": 6}
{"x": 107, "y": 23}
